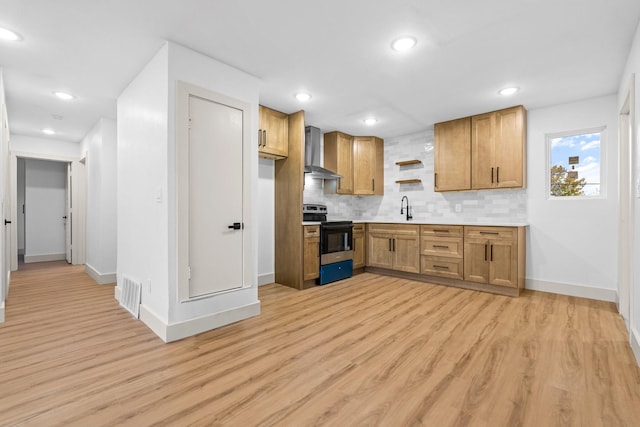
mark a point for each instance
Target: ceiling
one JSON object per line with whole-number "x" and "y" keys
{"x": 339, "y": 51}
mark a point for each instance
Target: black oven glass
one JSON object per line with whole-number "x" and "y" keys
{"x": 336, "y": 238}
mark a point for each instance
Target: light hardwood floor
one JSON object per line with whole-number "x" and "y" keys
{"x": 370, "y": 350}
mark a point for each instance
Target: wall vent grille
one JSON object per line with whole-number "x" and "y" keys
{"x": 130, "y": 297}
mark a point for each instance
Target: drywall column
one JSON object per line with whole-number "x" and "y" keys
{"x": 146, "y": 192}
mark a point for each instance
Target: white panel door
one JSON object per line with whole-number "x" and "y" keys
{"x": 68, "y": 215}
{"x": 215, "y": 197}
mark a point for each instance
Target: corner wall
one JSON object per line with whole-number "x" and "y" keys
{"x": 99, "y": 147}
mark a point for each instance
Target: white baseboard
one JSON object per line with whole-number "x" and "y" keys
{"x": 117, "y": 293}
{"x": 100, "y": 278}
{"x": 187, "y": 328}
{"x": 265, "y": 279}
{"x": 610, "y": 295}
{"x": 635, "y": 344}
{"x": 44, "y": 258}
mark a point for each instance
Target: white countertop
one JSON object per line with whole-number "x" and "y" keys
{"x": 497, "y": 223}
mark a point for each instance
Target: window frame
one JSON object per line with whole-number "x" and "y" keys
{"x": 602, "y": 130}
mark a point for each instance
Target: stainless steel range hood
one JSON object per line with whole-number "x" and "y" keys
{"x": 312, "y": 165}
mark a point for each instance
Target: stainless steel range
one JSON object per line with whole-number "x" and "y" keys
{"x": 336, "y": 245}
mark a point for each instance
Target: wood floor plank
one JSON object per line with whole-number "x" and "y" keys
{"x": 369, "y": 350}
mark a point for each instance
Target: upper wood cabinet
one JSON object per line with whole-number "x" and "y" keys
{"x": 360, "y": 160}
{"x": 481, "y": 152}
{"x": 273, "y": 134}
{"x": 338, "y": 157}
{"x": 497, "y": 149}
{"x": 452, "y": 155}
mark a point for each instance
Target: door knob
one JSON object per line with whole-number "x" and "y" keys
{"x": 236, "y": 226}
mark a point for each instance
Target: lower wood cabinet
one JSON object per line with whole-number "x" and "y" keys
{"x": 311, "y": 248}
{"x": 359, "y": 246}
{"x": 491, "y": 256}
{"x": 475, "y": 257}
{"x": 394, "y": 246}
{"x": 442, "y": 251}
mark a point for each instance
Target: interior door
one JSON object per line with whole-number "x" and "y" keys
{"x": 68, "y": 216}
{"x": 215, "y": 197}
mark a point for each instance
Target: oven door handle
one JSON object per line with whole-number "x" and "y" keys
{"x": 335, "y": 227}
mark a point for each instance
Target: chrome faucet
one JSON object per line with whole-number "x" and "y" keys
{"x": 408, "y": 208}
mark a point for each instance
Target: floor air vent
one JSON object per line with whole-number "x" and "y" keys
{"x": 130, "y": 298}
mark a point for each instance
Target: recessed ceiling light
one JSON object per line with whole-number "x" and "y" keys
{"x": 48, "y": 131}
{"x": 9, "y": 35}
{"x": 303, "y": 96}
{"x": 508, "y": 91}
{"x": 64, "y": 95}
{"x": 404, "y": 43}
{"x": 370, "y": 121}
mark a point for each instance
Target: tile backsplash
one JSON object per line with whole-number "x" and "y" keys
{"x": 463, "y": 206}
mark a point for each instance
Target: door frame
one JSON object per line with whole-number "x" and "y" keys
{"x": 627, "y": 165}
{"x": 183, "y": 91}
{"x": 78, "y": 193}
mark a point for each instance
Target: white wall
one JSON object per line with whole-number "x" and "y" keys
{"x": 20, "y": 207}
{"x": 42, "y": 146}
{"x": 45, "y": 195}
{"x": 266, "y": 221}
{"x": 572, "y": 243}
{"x": 99, "y": 145}
{"x": 633, "y": 67}
{"x": 142, "y": 158}
{"x": 146, "y": 158}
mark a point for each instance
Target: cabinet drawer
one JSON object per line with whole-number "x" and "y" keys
{"x": 441, "y": 266}
{"x": 502, "y": 233}
{"x": 311, "y": 231}
{"x": 397, "y": 229}
{"x": 358, "y": 228}
{"x": 442, "y": 230}
{"x": 442, "y": 246}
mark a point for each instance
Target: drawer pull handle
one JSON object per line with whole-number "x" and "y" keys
{"x": 441, "y": 246}
{"x": 489, "y": 232}
{"x": 442, "y": 267}
{"x": 440, "y": 230}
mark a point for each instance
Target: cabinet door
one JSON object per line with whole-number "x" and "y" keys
{"x": 476, "y": 260}
{"x": 452, "y": 155}
{"x": 311, "y": 258}
{"x": 482, "y": 145}
{"x": 364, "y": 165}
{"x": 379, "y": 250}
{"x": 504, "y": 262}
{"x": 509, "y": 147}
{"x": 378, "y": 182}
{"x": 274, "y": 140}
{"x": 406, "y": 253}
{"x": 358, "y": 250}
{"x": 338, "y": 157}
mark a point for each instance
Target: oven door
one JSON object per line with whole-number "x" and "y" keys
{"x": 336, "y": 241}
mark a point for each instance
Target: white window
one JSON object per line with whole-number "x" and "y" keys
{"x": 575, "y": 161}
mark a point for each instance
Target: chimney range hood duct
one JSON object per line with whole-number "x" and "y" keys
{"x": 312, "y": 155}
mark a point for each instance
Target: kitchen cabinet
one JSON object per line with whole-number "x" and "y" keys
{"x": 359, "y": 246}
{"x": 359, "y": 159}
{"x": 442, "y": 250}
{"x": 338, "y": 157}
{"x": 494, "y": 255}
{"x": 311, "y": 249}
{"x": 394, "y": 247}
{"x": 498, "y": 148}
{"x": 484, "y": 151}
{"x": 368, "y": 166}
{"x": 452, "y": 155}
{"x": 273, "y": 134}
